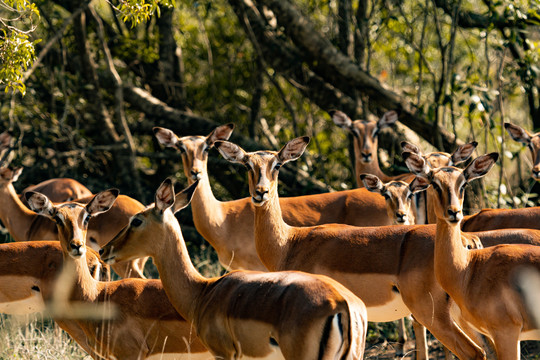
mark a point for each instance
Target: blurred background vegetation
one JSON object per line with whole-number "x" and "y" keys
{"x": 84, "y": 82}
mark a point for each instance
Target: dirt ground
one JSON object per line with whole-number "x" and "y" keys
{"x": 386, "y": 350}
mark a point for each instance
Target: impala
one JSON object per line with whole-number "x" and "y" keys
{"x": 366, "y": 139}
{"x": 531, "y": 140}
{"x": 438, "y": 159}
{"x": 59, "y": 190}
{"x": 29, "y": 270}
{"x": 398, "y": 198}
{"x": 479, "y": 281}
{"x": 215, "y": 220}
{"x": 147, "y": 326}
{"x": 390, "y": 268}
{"x": 24, "y": 225}
{"x": 244, "y": 313}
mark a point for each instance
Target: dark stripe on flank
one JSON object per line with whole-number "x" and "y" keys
{"x": 325, "y": 336}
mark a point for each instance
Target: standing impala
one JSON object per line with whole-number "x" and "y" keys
{"x": 438, "y": 159}
{"x": 147, "y": 326}
{"x": 390, "y": 268}
{"x": 215, "y": 220}
{"x": 24, "y": 225}
{"x": 366, "y": 139}
{"x": 478, "y": 281}
{"x": 244, "y": 313}
{"x": 29, "y": 270}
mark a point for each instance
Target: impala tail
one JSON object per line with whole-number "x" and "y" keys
{"x": 343, "y": 336}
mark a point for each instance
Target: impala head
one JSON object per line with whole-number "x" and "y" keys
{"x": 447, "y": 183}
{"x": 194, "y": 149}
{"x": 146, "y": 231}
{"x": 440, "y": 159}
{"x": 263, "y": 166}
{"x": 72, "y": 218}
{"x": 9, "y": 175}
{"x": 365, "y": 132}
{"x": 533, "y": 143}
{"x": 397, "y": 195}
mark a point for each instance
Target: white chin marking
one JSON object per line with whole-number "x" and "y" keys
{"x": 257, "y": 202}
{"x": 76, "y": 254}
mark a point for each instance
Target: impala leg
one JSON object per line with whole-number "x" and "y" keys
{"x": 421, "y": 343}
{"x": 507, "y": 343}
{"x": 402, "y": 338}
{"x": 436, "y": 318}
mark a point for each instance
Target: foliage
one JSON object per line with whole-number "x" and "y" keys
{"x": 16, "y": 49}
{"x": 137, "y": 11}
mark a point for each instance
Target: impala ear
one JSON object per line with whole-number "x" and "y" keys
{"x": 389, "y": 118}
{"x": 164, "y": 197}
{"x": 407, "y": 146}
{"x": 222, "y": 132}
{"x": 11, "y": 175}
{"x": 102, "y": 202}
{"x": 419, "y": 183}
{"x": 372, "y": 183}
{"x": 183, "y": 198}
{"x": 416, "y": 163}
{"x": 293, "y": 149}
{"x": 341, "y": 119}
{"x": 464, "y": 152}
{"x": 231, "y": 152}
{"x": 165, "y": 137}
{"x": 480, "y": 166}
{"x": 518, "y": 133}
{"x": 40, "y": 203}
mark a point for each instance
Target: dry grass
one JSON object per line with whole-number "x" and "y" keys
{"x": 33, "y": 337}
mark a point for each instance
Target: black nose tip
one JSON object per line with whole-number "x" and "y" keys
{"x": 194, "y": 172}
{"x": 75, "y": 247}
{"x": 101, "y": 251}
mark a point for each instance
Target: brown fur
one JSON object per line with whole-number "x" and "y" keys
{"x": 372, "y": 262}
{"x": 146, "y": 324}
{"x": 25, "y": 225}
{"x": 480, "y": 281}
{"x": 238, "y": 313}
{"x": 215, "y": 220}
{"x": 365, "y": 143}
{"x": 59, "y": 190}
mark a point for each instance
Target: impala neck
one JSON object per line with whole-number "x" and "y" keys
{"x": 14, "y": 214}
{"x": 451, "y": 256}
{"x": 85, "y": 288}
{"x": 207, "y": 210}
{"x": 181, "y": 280}
{"x": 271, "y": 232}
{"x": 368, "y": 168}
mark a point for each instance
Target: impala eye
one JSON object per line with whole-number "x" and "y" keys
{"x": 86, "y": 219}
{"x": 206, "y": 149}
{"x": 136, "y": 222}
{"x": 277, "y": 166}
{"x": 386, "y": 196}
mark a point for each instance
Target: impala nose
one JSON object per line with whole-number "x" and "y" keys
{"x": 195, "y": 174}
{"x": 454, "y": 215}
{"x": 366, "y": 157}
{"x": 76, "y": 249}
{"x": 261, "y": 195}
{"x": 400, "y": 217}
{"x": 101, "y": 251}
